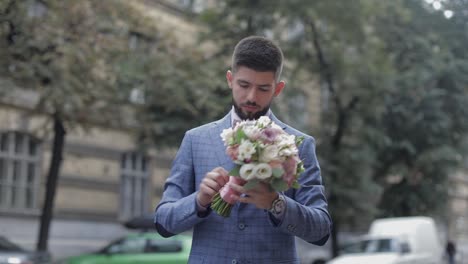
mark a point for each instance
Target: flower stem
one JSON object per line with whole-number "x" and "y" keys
{"x": 220, "y": 206}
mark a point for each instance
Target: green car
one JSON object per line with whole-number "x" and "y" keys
{"x": 142, "y": 248}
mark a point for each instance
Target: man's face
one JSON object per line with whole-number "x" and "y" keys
{"x": 252, "y": 91}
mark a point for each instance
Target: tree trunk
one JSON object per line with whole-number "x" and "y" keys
{"x": 51, "y": 185}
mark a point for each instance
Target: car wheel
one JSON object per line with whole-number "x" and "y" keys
{"x": 319, "y": 262}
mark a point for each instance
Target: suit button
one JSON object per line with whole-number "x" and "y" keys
{"x": 241, "y": 226}
{"x": 234, "y": 261}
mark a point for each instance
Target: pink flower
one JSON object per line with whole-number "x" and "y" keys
{"x": 227, "y": 192}
{"x": 275, "y": 164}
{"x": 269, "y": 134}
{"x": 290, "y": 168}
{"x": 233, "y": 151}
{"x": 261, "y": 151}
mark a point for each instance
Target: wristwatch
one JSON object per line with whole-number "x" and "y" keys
{"x": 278, "y": 205}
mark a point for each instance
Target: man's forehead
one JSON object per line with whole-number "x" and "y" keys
{"x": 244, "y": 74}
{"x": 255, "y": 82}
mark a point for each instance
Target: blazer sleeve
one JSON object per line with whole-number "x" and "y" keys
{"x": 177, "y": 210}
{"x": 306, "y": 213}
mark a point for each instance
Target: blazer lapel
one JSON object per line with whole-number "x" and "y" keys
{"x": 277, "y": 121}
{"x": 219, "y": 148}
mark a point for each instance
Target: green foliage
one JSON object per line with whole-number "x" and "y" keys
{"x": 65, "y": 50}
{"x": 87, "y": 59}
{"x": 278, "y": 172}
{"x": 235, "y": 171}
{"x": 425, "y": 118}
{"x": 181, "y": 93}
{"x": 392, "y": 78}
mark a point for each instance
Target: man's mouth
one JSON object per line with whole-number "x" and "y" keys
{"x": 250, "y": 108}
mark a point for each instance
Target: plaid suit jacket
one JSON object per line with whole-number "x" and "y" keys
{"x": 249, "y": 235}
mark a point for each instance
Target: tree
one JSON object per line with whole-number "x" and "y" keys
{"x": 425, "y": 117}
{"x": 386, "y": 78}
{"x": 179, "y": 95}
{"x": 73, "y": 55}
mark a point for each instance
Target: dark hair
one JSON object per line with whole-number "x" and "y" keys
{"x": 259, "y": 54}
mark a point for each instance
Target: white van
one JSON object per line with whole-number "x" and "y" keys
{"x": 408, "y": 240}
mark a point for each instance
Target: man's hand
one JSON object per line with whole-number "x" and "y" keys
{"x": 211, "y": 184}
{"x": 261, "y": 195}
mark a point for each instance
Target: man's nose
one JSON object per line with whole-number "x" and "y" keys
{"x": 251, "y": 96}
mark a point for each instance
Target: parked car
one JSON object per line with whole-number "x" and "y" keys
{"x": 10, "y": 253}
{"x": 403, "y": 240}
{"x": 142, "y": 248}
{"x": 312, "y": 254}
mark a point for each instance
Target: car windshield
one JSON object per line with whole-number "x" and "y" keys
{"x": 126, "y": 246}
{"x": 372, "y": 246}
{"x": 6, "y": 245}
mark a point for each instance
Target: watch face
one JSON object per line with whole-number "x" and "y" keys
{"x": 278, "y": 206}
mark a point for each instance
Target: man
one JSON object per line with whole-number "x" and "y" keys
{"x": 263, "y": 223}
{"x": 451, "y": 251}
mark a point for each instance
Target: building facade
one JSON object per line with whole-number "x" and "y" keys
{"x": 104, "y": 180}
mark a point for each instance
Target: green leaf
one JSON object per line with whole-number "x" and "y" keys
{"x": 278, "y": 172}
{"x": 279, "y": 185}
{"x": 296, "y": 185}
{"x": 251, "y": 184}
{"x": 235, "y": 171}
{"x": 240, "y": 135}
{"x": 299, "y": 140}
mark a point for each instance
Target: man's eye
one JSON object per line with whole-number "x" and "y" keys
{"x": 244, "y": 85}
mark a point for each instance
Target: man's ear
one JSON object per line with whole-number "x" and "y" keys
{"x": 229, "y": 78}
{"x": 279, "y": 87}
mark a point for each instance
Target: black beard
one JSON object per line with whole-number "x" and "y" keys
{"x": 249, "y": 116}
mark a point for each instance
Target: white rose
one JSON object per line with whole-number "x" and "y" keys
{"x": 247, "y": 171}
{"x": 276, "y": 127}
{"x": 263, "y": 121}
{"x": 263, "y": 171}
{"x": 285, "y": 140}
{"x": 246, "y": 149}
{"x": 286, "y": 152}
{"x": 269, "y": 153}
{"x": 227, "y": 134}
{"x": 252, "y": 132}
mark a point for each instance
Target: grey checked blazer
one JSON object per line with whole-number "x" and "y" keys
{"x": 249, "y": 235}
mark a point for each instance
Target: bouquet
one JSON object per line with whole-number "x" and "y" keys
{"x": 262, "y": 151}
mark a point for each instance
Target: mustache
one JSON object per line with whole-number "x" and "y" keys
{"x": 248, "y": 103}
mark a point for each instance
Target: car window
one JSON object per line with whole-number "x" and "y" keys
{"x": 372, "y": 246}
{"x": 164, "y": 246}
{"x": 128, "y": 246}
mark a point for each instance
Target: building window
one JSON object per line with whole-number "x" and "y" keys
{"x": 134, "y": 185}
{"x": 19, "y": 171}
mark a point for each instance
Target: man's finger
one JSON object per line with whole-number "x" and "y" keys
{"x": 212, "y": 174}
{"x": 237, "y": 188}
{"x": 221, "y": 171}
{"x": 213, "y": 184}
{"x": 222, "y": 180}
